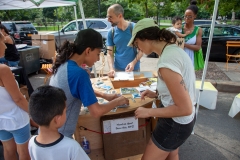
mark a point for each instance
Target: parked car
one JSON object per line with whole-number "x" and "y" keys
{"x": 69, "y": 31}
{"x": 202, "y": 21}
{"x": 221, "y": 34}
{"x": 21, "y": 31}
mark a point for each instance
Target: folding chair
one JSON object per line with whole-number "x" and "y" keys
{"x": 48, "y": 69}
{"x": 229, "y": 56}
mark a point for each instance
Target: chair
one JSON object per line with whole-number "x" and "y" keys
{"x": 229, "y": 56}
{"x": 235, "y": 108}
{"x": 48, "y": 69}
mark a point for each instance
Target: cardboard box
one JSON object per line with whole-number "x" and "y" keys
{"x": 46, "y": 44}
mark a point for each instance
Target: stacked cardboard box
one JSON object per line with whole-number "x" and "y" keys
{"x": 46, "y": 44}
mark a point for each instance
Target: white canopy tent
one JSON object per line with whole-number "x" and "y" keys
{"x": 27, "y": 4}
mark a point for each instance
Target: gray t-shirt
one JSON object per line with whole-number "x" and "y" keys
{"x": 175, "y": 59}
{"x": 62, "y": 149}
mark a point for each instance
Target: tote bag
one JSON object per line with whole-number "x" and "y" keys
{"x": 198, "y": 58}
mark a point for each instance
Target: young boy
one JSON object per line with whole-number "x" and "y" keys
{"x": 47, "y": 107}
{"x": 177, "y": 27}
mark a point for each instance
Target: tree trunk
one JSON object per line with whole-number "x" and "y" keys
{"x": 146, "y": 8}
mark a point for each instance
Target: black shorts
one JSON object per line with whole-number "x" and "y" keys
{"x": 169, "y": 135}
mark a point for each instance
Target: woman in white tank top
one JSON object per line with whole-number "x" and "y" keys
{"x": 13, "y": 114}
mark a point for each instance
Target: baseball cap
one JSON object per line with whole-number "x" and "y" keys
{"x": 140, "y": 25}
{"x": 88, "y": 38}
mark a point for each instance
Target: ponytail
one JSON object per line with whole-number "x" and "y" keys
{"x": 66, "y": 51}
{"x": 155, "y": 33}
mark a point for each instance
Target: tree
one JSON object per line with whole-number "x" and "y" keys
{"x": 49, "y": 12}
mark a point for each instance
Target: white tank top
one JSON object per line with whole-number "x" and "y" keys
{"x": 12, "y": 117}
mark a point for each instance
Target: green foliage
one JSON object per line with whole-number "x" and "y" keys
{"x": 49, "y": 12}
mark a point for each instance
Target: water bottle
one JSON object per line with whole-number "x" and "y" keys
{"x": 85, "y": 145}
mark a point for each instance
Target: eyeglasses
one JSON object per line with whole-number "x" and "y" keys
{"x": 188, "y": 17}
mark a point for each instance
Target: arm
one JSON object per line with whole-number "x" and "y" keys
{"x": 130, "y": 66}
{"x": 182, "y": 102}
{"x": 8, "y": 40}
{"x": 198, "y": 45}
{"x": 108, "y": 97}
{"x": 182, "y": 35}
{"x": 110, "y": 59}
{"x": 97, "y": 110}
{"x": 9, "y": 83}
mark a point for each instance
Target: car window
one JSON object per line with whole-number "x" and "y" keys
{"x": 235, "y": 32}
{"x": 205, "y": 31}
{"x": 218, "y": 31}
{"x": 96, "y": 24}
{"x": 10, "y": 27}
{"x": 80, "y": 25}
{"x": 25, "y": 27}
{"x": 100, "y": 25}
{"x": 70, "y": 27}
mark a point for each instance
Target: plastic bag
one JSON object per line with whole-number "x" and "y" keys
{"x": 198, "y": 60}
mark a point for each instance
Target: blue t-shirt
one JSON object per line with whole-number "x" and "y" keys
{"x": 123, "y": 54}
{"x": 76, "y": 84}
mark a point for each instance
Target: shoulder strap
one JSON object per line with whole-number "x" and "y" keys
{"x": 197, "y": 28}
{"x": 131, "y": 27}
{"x": 113, "y": 32}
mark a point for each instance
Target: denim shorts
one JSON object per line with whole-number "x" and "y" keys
{"x": 169, "y": 135}
{"x": 9, "y": 63}
{"x": 20, "y": 136}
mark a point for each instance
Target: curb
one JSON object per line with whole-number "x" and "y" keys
{"x": 225, "y": 86}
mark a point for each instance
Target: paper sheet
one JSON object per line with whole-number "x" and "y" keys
{"x": 123, "y": 76}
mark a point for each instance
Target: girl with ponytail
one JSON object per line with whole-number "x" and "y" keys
{"x": 74, "y": 80}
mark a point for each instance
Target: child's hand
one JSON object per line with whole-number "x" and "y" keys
{"x": 188, "y": 32}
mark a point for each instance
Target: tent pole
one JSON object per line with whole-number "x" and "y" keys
{"x": 75, "y": 13}
{"x": 207, "y": 53}
{"x": 82, "y": 14}
{"x": 85, "y": 27}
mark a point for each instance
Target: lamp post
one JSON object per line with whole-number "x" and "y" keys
{"x": 99, "y": 13}
{"x": 160, "y": 4}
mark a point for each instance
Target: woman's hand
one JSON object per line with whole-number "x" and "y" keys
{"x": 142, "y": 112}
{"x": 148, "y": 93}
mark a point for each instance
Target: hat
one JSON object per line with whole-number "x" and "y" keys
{"x": 140, "y": 25}
{"x": 88, "y": 38}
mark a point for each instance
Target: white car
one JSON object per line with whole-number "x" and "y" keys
{"x": 69, "y": 31}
